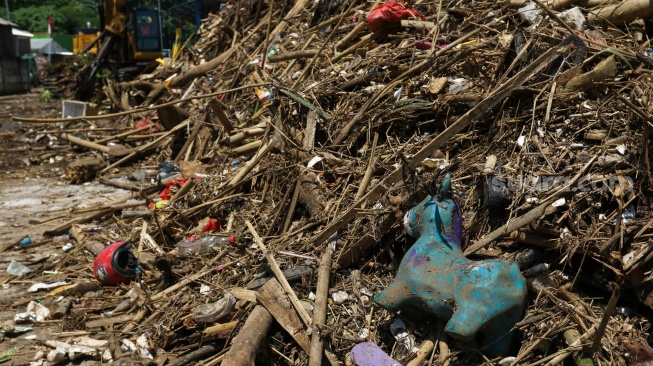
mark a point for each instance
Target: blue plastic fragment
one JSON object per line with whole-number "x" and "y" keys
{"x": 482, "y": 300}
{"x": 25, "y": 241}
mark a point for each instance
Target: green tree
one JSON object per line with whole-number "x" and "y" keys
{"x": 66, "y": 16}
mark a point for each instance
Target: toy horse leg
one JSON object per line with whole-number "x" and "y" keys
{"x": 392, "y": 297}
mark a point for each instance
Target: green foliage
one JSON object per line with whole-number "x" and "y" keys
{"x": 45, "y": 96}
{"x": 66, "y": 15}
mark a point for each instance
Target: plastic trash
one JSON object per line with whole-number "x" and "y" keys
{"x": 526, "y": 258}
{"x": 291, "y": 274}
{"x": 459, "y": 84}
{"x": 208, "y": 224}
{"x": 340, "y": 297}
{"x": 61, "y": 238}
{"x": 44, "y": 286}
{"x": 203, "y": 245}
{"x": 369, "y": 354}
{"x": 25, "y": 241}
{"x": 386, "y": 18}
{"x": 530, "y": 13}
{"x": 34, "y": 312}
{"x": 142, "y": 175}
{"x": 537, "y": 270}
{"x": 133, "y": 296}
{"x": 267, "y": 96}
{"x": 574, "y": 18}
{"x": 399, "y": 331}
{"x": 17, "y": 269}
{"x": 209, "y": 313}
{"x": 116, "y": 264}
{"x": 481, "y": 300}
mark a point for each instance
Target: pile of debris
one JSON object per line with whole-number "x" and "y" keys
{"x": 272, "y": 163}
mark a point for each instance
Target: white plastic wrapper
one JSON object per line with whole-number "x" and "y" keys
{"x": 35, "y": 312}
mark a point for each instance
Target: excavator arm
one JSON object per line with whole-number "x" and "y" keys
{"x": 87, "y": 83}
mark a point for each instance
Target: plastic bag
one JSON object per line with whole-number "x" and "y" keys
{"x": 209, "y": 313}
{"x": 385, "y": 18}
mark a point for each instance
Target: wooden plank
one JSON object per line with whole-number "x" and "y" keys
{"x": 274, "y": 298}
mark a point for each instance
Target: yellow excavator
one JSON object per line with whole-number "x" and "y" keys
{"x": 130, "y": 39}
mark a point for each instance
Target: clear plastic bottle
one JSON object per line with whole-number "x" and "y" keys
{"x": 203, "y": 245}
{"x": 61, "y": 238}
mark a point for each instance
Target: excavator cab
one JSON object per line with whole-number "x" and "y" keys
{"x": 147, "y": 35}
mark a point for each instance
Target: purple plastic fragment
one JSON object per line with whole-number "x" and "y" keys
{"x": 369, "y": 354}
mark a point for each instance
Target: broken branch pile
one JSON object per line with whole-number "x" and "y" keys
{"x": 307, "y": 137}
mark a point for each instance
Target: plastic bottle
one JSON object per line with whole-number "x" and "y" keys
{"x": 61, "y": 238}
{"x": 203, "y": 245}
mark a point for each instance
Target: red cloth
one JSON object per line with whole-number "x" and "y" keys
{"x": 385, "y": 18}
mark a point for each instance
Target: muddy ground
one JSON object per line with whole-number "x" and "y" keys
{"x": 34, "y": 197}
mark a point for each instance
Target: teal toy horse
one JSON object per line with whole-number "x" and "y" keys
{"x": 482, "y": 300}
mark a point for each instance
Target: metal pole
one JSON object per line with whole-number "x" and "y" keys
{"x": 50, "y": 35}
{"x": 160, "y": 28}
{"x": 7, "y": 6}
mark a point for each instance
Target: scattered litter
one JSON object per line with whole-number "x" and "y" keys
{"x": 17, "y": 269}
{"x": 34, "y": 312}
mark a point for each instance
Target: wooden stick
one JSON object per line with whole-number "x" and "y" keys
{"x": 248, "y": 341}
{"x": 121, "y": 135}
{"x": 63, "y": 309}
{"x": 293, "y": 204}
{"x": 368, "y": 172}
{"x": 197, "y": 355}
{"x": 221, "y": 115}
{"x": 292, "y": 56}
{"x": 277, "y": 272}
{"x": 85, "y": 143}
{"x": 189, "y": 75}
{"x": 272, "y": 296}
{"x": 103, "y": 211}
{"x": 557, "y": 360}
{"x": 186, "y": 281}
{"x": 443, "y": 346}
{"x": 135, "y": 321}
{"x": 237, "y": 137}
{"x": 250, "y": 164}
{"x": 320, "y": 310}
{"x": 133, "y": 111}
{"x": 351, "y": 35}
{"x": 424, "y": 351}
{"x": 220, "y": 328}
{"x": 418, "y": 24}
{"x": 247, "y": 148}
{"x": 184, "y": 190}
{"x": 621, "y": 13}
{"x": 147, "y": 146}
{"x": 596, "y": 344}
